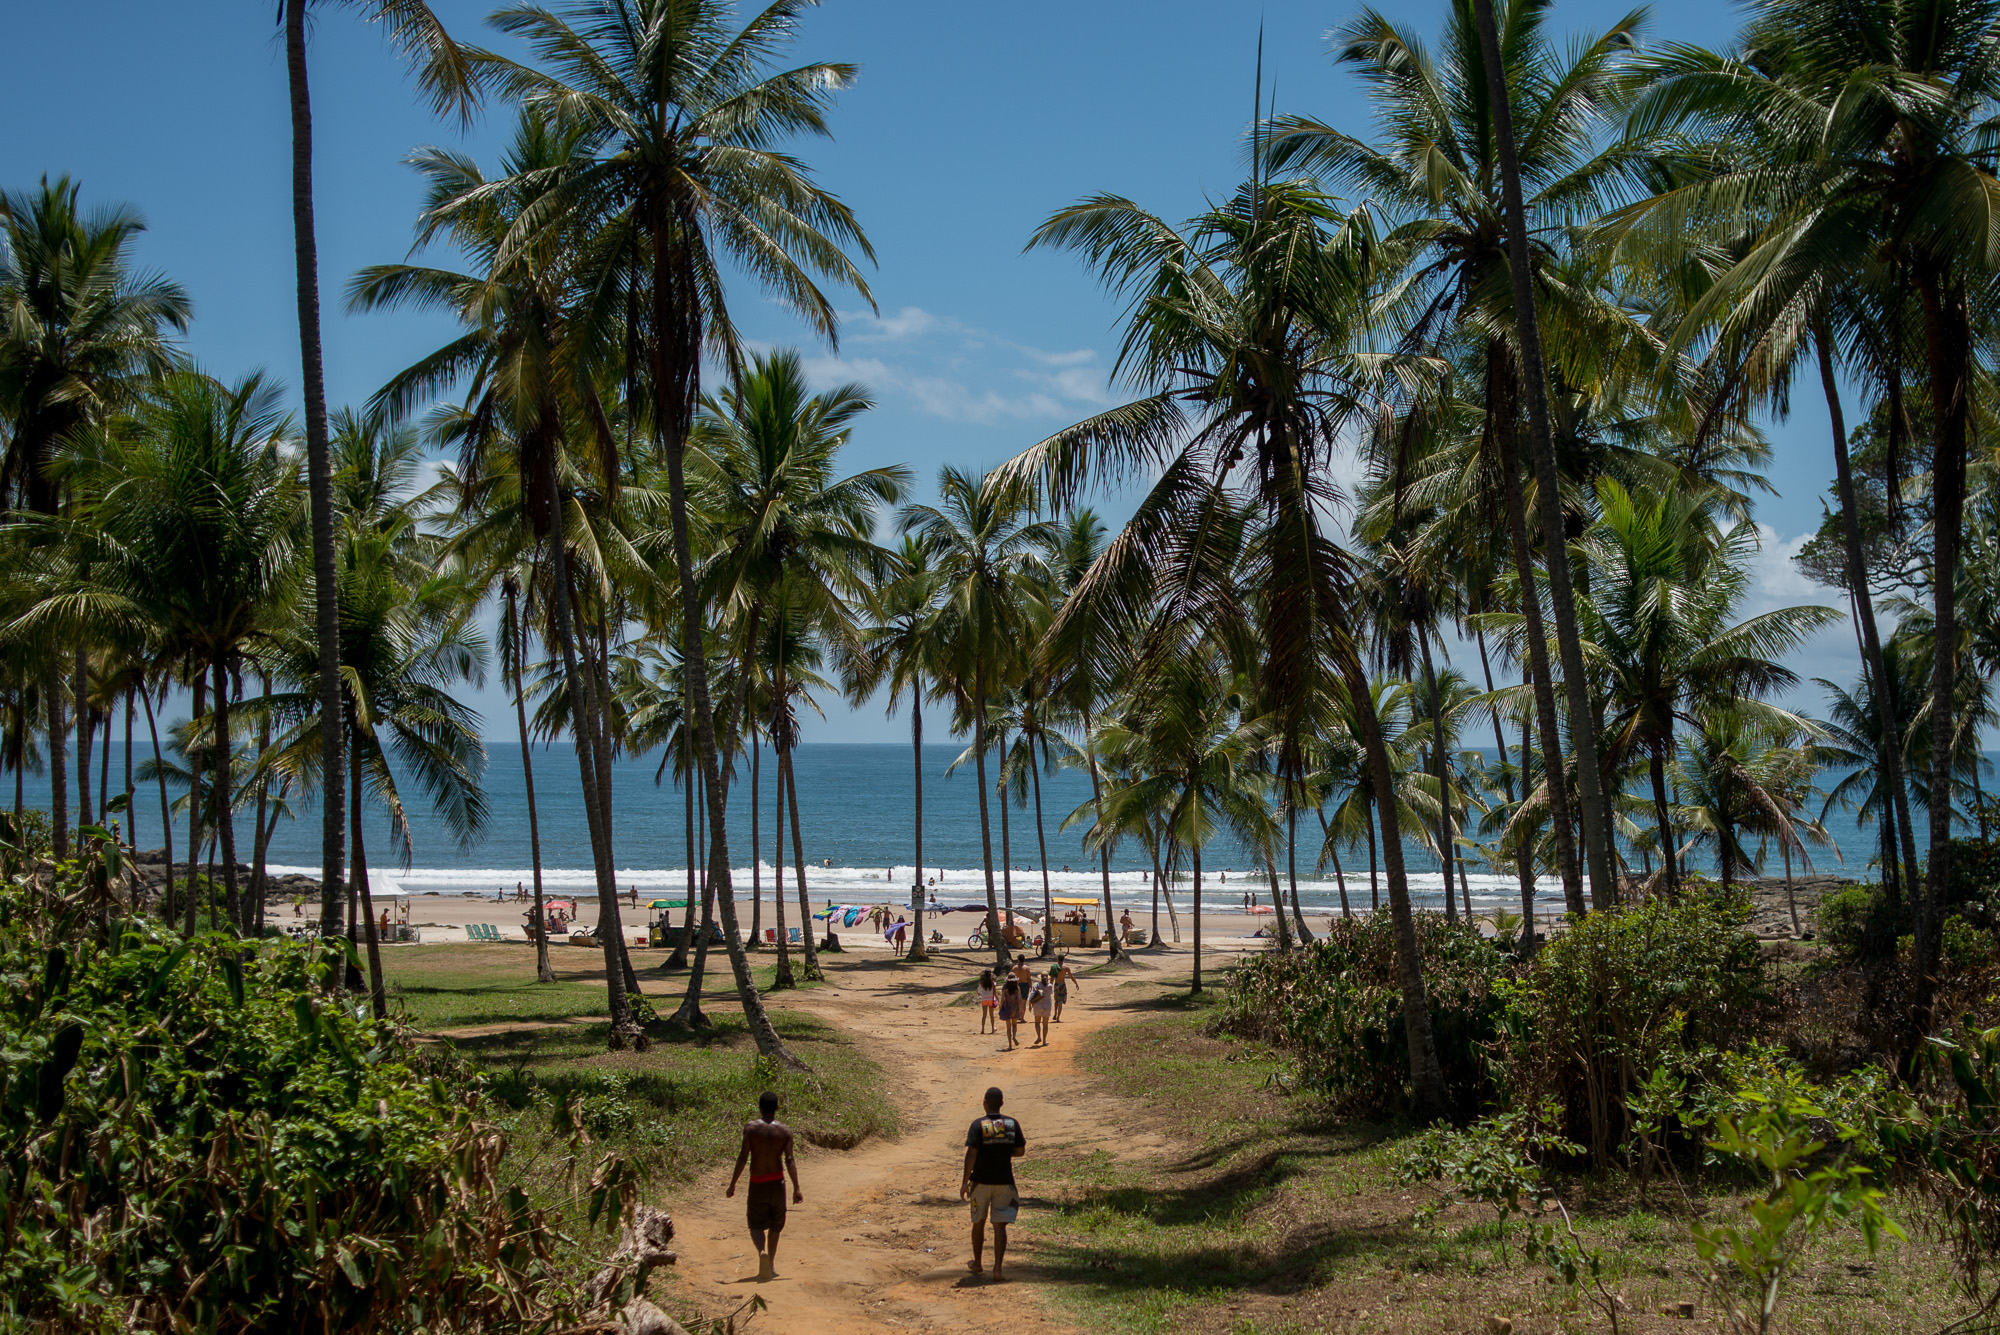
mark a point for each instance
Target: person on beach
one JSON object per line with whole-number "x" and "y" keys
{"x": 991, "y": 1145}
{"x": 1064, "y": 976}
{"x": 901, "y": 935}
{"x": 1023, "y": 975}
{"x": 767, "y": 1148}
{"x": 989, "y": 1003}
{"x": 1125, "y": 924}
{"x": 1042, "y": 1006}
{"x": 1010, "y": 1013}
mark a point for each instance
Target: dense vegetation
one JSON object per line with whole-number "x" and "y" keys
{"x": 198, "y": 1138}
{"x": 1585, "y": 272}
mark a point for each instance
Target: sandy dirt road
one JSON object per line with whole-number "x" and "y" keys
{"x": 882, "y": 1240}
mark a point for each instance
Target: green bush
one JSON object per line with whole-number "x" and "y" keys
{"x": 1336, "y": 1009}
{"x": 196, "y": 1137}
{"x": 1621, "y": 994}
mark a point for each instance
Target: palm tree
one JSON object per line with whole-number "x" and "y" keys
{"x": 1872, "y": 170}
{"x": 195, "y": 514}
{"x": 1242, "y": 327}
{"x": 79, "y": 329}
{"x": 1185, "y": 730}
{"x": 981, "y": 539}
{"x": 1081, "y": 673}
{"x": 1658, "y": 629}
{"x": 676, "y": 171}
{"x": 1451, "y": 176}
{"x": 901, "y": 650}
{"x": 445, "y": 74}
{"x": 536, "y": 460}
{"x": 793, "y": 539}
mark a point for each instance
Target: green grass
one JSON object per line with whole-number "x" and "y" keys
{"x": 461, "y": 986}
{"x": 676, "y": 1108}
{"x": 1273, "y": 1217}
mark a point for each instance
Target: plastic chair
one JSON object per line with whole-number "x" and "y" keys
{"x": 792, "y": 935}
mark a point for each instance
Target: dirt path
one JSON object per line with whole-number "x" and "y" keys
{"x": 882, "y": 1241}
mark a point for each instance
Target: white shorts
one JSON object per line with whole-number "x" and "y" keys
{"x": 997, "y": 1199}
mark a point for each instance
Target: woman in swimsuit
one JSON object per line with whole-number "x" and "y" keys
{"x": 989, "y": 1001}
{"x": 1010, "y": 1012}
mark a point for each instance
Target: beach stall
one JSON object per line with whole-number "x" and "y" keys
{"x": 1073, "y": 928}
{"x": 661, "y": 932}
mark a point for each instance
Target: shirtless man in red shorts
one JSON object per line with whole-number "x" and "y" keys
{"x": 767, "y": 1148}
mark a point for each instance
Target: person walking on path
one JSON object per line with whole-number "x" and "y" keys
{"x": 767, "y": 1148}
{"x": 1010, "y": 1012}
{"x": 1065, "y": 977}
{"x": 991, "y": 1145}
{"x": 989, "y": 1003}
{"x": 1042, "y": 1005}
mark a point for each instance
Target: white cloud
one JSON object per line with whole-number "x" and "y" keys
{"x": 1776, "y": 580}
{"x": 942, "y": 367}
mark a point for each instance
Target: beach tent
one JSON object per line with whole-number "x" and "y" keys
{"x": 668, "y": 904}
{"x": 1086, "y": 903}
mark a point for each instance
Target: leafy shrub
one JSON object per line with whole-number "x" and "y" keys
{"x": 193, "y": 1137}
{"x": 1860, "y": 922}
{"x": 1336, "y": 1009}
{"x": 1618, "y": 995}
{"x": 1496, "y": 1161}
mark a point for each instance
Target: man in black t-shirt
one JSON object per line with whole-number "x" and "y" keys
{"x": 991, "y": 1145}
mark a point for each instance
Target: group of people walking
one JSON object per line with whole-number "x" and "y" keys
{"x": 992, "y": 1142}
{"x": 1004, "y": 1002}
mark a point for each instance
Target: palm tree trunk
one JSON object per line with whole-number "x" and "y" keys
{"x": 1547, "y": 720}
{"x": 756, "y": 843}
{"x": 1427, "y": 1091}
{"x": 1104, "y": 852}
{"x": 1042, "y": 842}
{"x": 1583, "y": 730}
{"x": 1440, "y": 769}
{"x": 1374, "y": 886}
{"x": 1277, "y": 899}
{"x": 995, "y": 940}
{"x": 1006, "y": 839}
{"x": 1292, "y": 868}
{"x": 258, "y": 838}
{"x": 784, "y": 976}
{"x": 319, "y": 473}
{"x": 778, "y": 847}
{"x": 544, "y": 972}
{"x": 1197, "y": 919}
{"x": 59, "y": 768}
{"x": 194, "y": 759}
{"x": 1153, "y": 941}
{"x": 1524, "y": 860}
{"x": 812, "y": 968}
{"x": 1791, "y": 898}
{"x": 1657, "y": 767}
{"x": 674, "y": 390}
{"x": 225, "y": 818}
{"x": 79, "y": 692}
{"x": 166, "y": 809}
{"x": 1946, "y": 339}
{"x": 131, "y": 816}
{"x": 1333, "y": 852}
{"x": 917, "y": 951}
{"x": 378, "y": 999}
{"x": 583, "y": 734}
{"x": 1890, "y": 751}
{"x": 679, "y": 959}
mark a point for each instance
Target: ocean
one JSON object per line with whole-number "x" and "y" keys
{"x": 855, "y": 808}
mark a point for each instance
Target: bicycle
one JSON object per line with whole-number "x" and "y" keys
{"x": 976, "y": 941}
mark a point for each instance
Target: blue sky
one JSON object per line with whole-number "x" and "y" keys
{"x": 968, "y": 126}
